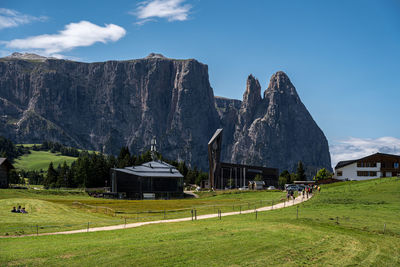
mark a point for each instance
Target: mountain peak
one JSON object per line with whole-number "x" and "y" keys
{"x": 155, "y": 55}
{"x": 280, "y": 83}
{"x": 29, "y": 56}
{"x": 252, "y": 95}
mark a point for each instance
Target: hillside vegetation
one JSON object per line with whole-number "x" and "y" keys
{"x": 40, "y": 160}
{"x": 57, "y": 210}
{"x": 342, "y": 225}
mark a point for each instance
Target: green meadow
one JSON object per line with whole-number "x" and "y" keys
{"x": 40, "y": 160}
{"x": 59, "y": 210}
{"x": 346, "y": 224}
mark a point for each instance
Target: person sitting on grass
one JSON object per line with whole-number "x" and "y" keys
{"x": 14, "y": 210}
{"x": 23, "y": 210}
{"x": 19, "y": 209}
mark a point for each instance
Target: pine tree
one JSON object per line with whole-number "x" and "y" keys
{"x": 51, "y": 177}
{"x": 300, "y": 174}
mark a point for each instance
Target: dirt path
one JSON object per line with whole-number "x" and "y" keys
{"x": 281, "y": 205}
{"x": 191, "y": 193}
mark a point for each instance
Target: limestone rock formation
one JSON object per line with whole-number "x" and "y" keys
{"x": 277, "y": 130}
{"x": 105, "y": 105}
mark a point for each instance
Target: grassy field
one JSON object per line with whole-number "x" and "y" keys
{"x": 56, "y": 210}
{"x": 37, "y": 160}
{"x": 341, "y": 226}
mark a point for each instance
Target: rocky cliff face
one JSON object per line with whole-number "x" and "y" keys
{"x": 106, "y": 105}
{"x": 277, "y": 130}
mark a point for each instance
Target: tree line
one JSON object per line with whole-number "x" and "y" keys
{"x": 93, "y": 169}
{"x": 9, "y": 150}
{"x": 90, "y": 169}
{"x": 288, "y": 178}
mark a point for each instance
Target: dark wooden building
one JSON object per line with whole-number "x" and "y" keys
{"x": 5, "y": 167}
{"x": 239, "y": 175}
{"x": 156, "y": 179}
{"x": 222, "y": 175}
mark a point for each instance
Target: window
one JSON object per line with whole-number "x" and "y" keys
{"x": 339, "y": 173}
{"x": 366, "y": 164}
{"x": 396, "y": 165}
{"x": 366, "y": 173}
{"x": 383, "y": 165}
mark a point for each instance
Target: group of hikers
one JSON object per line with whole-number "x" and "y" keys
{"x": 19, "y": 210}
{"x": 305, "y": 192}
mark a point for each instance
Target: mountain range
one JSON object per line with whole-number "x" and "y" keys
{"x": 106, "y": 105}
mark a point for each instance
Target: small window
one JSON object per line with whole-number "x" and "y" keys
{"x": 396, "y": 165}
{"x": 339, "y": 173}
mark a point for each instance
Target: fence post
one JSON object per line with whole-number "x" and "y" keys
{"x": 88, "y": 226}
{"x": 37, "y": 229}
{"x": 125, "y": 222}
{"x": 256, "y": 214}
{"x": 195, "y": 214}
{"x": 192, "y": 214}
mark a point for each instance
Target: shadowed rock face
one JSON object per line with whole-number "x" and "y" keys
{"x": 103, "y": 106}
{"x": 106, "y": 105}
{"x": 280, "y": 131}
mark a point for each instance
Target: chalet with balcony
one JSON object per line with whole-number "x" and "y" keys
{"x": 373, "y": 166}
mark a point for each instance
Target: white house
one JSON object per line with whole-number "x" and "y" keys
{"x": 369, "y": 167}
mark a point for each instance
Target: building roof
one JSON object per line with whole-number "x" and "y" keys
{"x": 216, "y": 134}
{"x": 153, "y": 169}
{"x": 344, "y": 163}
{"x": 7, "y": 162}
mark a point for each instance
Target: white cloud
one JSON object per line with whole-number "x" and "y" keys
{"x": 169, "y": 9}
{"x": 83, "y": 33}
{"x": 355, "y": 148}
{"x": 11, "y": 18}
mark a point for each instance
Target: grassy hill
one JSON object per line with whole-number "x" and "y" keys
{"x": 57, "y": 210}
{"x": 343, "y": 225}
{"x": 37, "y": 160}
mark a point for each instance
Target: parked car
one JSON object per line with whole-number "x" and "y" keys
{"x": 292, "y": 188}
{"x": 271, "y": 187}
{"x": 244, "y": 188}
{"x": 301, "y": 187}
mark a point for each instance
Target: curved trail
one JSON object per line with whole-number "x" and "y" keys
{"x": 281, "y": 205}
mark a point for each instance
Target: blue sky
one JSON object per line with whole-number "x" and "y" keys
{"x": 342, "y": 56}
